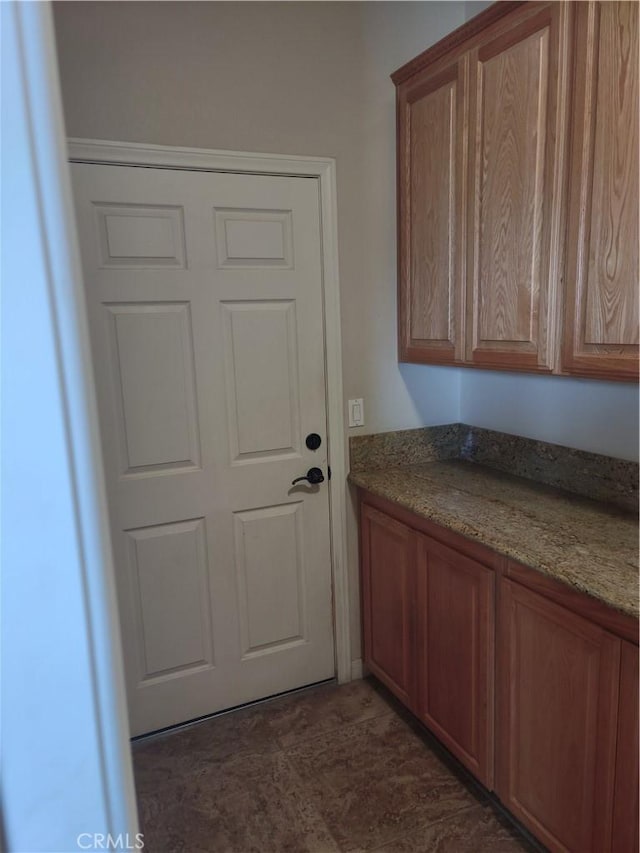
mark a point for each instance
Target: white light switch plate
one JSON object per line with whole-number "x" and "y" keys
{"x": 356, "y": 412}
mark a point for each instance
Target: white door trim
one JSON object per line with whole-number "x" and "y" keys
{"x": 323, "y": 168}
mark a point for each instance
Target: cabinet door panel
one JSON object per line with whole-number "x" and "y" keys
{"x": 388, "y": 593}
{"x": 455, "y": 629}
{"x": 601, "y": 311}
{"x": 515, "y": 203}
{"x": 557, "y": 709}
{"x": 625, "y": 807}
{"x": 431, "y": 172}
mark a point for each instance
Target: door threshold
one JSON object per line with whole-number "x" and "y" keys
{"x": 204, "y": 717}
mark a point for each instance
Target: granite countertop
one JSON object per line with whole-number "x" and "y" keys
{"x": 589, "y": 545}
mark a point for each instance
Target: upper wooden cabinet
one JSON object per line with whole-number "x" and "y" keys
{"x": 516, "y": 157}
{"x": 432, "y": 175}
{"x": 601, "y": 310}
{"x": 498, "y": 160}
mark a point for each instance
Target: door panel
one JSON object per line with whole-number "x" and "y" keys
{"x": 254, "y": 238}
{"x": 455, "y": 631}
{"x": 140, "y": 237}
{"x": 170, "y": 590}
{"x": 611, "y": 306}
{"x": 601, "y": 310}
{"x": 431, "y": 183}
{"x": 271, "y": 577}
{"x": 261, "y": 353}
{"x": 151, "y": 351}
{"x": 625, "y": 803}
{"x": 515, "y": 113}
{"x": 388, "y": 600}
{"x": 512, "y": 172}
{"x": 204, "y": 293}
{"x": 432, "y": 125}
{"x": 557, "y": 728}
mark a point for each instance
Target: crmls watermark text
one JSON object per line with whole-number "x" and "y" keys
{"x": 100, "y": 841}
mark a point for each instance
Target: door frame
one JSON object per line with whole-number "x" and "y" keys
{"x": 107, "y": 152}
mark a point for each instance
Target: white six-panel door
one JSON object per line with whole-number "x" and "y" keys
{"x": 205, "y": 298}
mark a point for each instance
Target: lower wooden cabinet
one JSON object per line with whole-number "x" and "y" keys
{"x": 557, "y": 709}
{"x": 388, "y": 594}
{"x": 625, "y": 802}
{"x": 455, "y": 631}
{"x": 562, "y": 746}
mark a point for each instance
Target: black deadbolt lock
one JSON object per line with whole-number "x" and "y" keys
{"x": 313, "y": 441}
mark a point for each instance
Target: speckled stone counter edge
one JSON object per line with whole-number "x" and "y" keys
{"x": 591, "y": 475}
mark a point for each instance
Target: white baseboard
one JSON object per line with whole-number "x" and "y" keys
{"x": 357, "y": 670}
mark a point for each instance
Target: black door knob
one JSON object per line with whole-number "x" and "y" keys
{"x": 313, "y": 476}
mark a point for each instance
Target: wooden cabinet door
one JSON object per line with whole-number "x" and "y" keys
{"x": 431, "y": 175}
{"x": 517, "y": 100}
{"x": 601, "y": 278}
{"x": 625, "y": 805}
{"x": 557, "y": 705}
{"x": 388, "y": 595}
{"x": 455, "y": 629}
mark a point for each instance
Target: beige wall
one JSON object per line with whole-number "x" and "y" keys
{"x": 292, "y": 78}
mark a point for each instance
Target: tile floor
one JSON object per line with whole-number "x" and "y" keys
{"x": 332, "y": 768}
